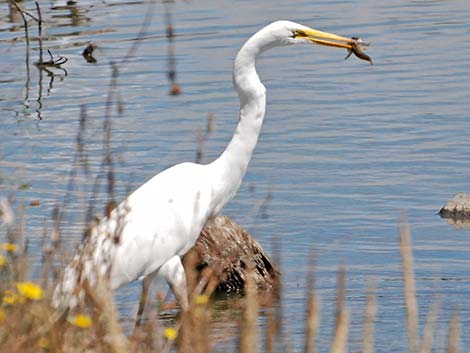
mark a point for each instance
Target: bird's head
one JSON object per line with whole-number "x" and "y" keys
{"x": 282, "y": 33}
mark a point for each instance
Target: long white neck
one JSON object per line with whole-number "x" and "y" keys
{"x": 232, "y": 164}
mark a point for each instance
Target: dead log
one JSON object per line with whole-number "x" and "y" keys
{"x": 229, "y": 251}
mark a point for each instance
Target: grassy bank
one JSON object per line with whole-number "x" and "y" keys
{"x": 28, "y": 322}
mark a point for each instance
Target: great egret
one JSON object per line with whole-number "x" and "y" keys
{"x": 160, "y": 221}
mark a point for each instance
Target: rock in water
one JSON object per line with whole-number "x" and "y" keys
{"x": 230, "y": 251}
{"x": 457, "y": 207}
{"x": 457, "y": 210}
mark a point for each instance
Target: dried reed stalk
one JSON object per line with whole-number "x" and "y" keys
{"x": 340, "y": 340}
{"x": 270, "y": 332}
{"x": 428, "y": 334}
{"x": 313, "y": 312}
{"x": 186, "y": 333}
{"x": 409, "y": 287}
{"x": 340, "y": 288}
{"x": 454, "y": 333}
{"x": 249, "y": 321}
{"x": 369, "y": 316}
{"x": 105, "y": 316}
{"x": 312, "y": 324}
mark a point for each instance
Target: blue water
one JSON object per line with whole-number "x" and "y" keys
{"x": 346, "y": 149}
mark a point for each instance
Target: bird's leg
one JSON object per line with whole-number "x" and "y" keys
{"x": 173, "y": 272}
{"x": 143, "y": 297}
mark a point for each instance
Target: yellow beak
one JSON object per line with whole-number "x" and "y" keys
{"x": 325, "y": 38}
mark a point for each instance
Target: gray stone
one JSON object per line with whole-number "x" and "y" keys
{"x": 458, "y": 207}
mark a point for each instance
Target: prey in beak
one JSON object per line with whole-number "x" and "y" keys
{"x": 358, "y": 48}
{"x": 354, "y": 45}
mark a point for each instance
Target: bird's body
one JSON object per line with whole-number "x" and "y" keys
{"x": 162, "y": 219}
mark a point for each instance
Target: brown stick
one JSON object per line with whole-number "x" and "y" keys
{"x": 38, "y": 9}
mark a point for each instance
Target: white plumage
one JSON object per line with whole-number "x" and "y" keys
{"x": 162, "y": 219}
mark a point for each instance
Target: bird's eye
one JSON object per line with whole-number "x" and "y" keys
{"x": 298, "y": 34}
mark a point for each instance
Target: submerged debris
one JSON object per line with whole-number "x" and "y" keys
{"x": 52, "y": 62}
{"x": 358, "y": 47}
{"x": 88, "y": 53}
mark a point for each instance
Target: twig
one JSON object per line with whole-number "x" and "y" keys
{"x": 170, "y": 33}
{"x": 26, "y": 33}
{"x": 142, "y": 33}
{"x": 203, "y": 137}
{"x": 107, "y": 162}
{"x": 39, "y": 20}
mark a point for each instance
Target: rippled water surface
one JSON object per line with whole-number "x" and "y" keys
{"x": 346, "y": 147}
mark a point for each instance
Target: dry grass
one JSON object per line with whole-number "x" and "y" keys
{"x": 29, "y": 324}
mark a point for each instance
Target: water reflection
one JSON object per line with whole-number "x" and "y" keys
{"x": 50, "y": 67}
{"x": 14, "y": 16}
{"x": 77, "y": 15}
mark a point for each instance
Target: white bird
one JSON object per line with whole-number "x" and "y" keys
{"x": 160, "y": 221}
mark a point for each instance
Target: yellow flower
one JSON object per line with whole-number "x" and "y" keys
{"x": 171, "y": 333}
{"x": 2, "y": 316}
{"x": 30, "y": 290}
{"x": 80, "y": 320}
{"x": 202, "y": 299}
{"x": 43, "y": 343}
{"x": 9, "y": 247}
{"x": 10, "y": 298}
{"x": 3, "y": 260}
